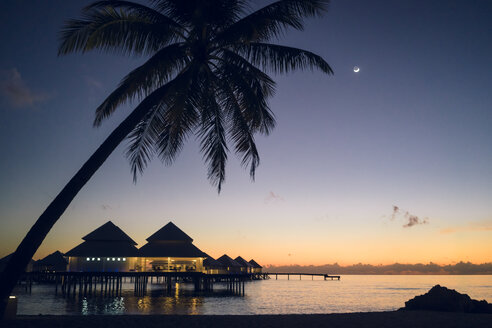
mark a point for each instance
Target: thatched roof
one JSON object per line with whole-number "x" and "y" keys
{"x": 170, "y": 232}
{"x": 254, "y": 264}
{"x": 210, "y": 262}
{"x": 243, "y": 262}
{"x": 53, "y": 259}
{"x": 107, "y": 240}
{"x": 103, "y": 249}
{"x": 228, "y": 262}
{"x": 170, "y": 241}
{"x": 108, "y": 232}
{"x": 170, "y": 249}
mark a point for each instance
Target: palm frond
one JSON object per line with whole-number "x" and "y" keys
{"x": 239, "y": 128}
{"x": 142, "y": 140}
{"x": 211, "y": 12}
{"x": 141, "y": 81}
{"x": 282, "y": 59}
{"x": 115, "y": 31}
{"x": 146, "y": 137}
{"x": 266, "y": 83}
{"x": 142, "y": 10}
{"x": 272, "y": 20}
{"x": 212, "y": 133}
{"x": 252, "y": 89}
{"x": 181, "y": 117}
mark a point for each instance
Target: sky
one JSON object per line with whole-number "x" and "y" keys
{"x": 390, "y": 164}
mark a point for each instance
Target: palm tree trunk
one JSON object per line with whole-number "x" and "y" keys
{"x": 31, "y": 242}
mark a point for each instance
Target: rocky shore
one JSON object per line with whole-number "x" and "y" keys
{"x": 447, "y": 300}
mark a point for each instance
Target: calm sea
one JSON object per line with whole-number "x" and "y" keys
{"x": 350, "y": 294}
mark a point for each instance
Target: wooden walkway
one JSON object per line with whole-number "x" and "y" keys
{"x": 288, "y": 274}
{"x": 111, "y": 283}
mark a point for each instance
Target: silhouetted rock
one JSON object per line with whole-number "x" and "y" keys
{"x": 448, "y": 300}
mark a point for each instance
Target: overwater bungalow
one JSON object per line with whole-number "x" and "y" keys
{"x": 212, "y": 266}
{"x": 256, "y": 267}
{"x": 170, "y": 250}
{"x": 230, "y": 265}
{"x": 55, "y": 262}
{"x": 106, "y": 249}
{"x": 246, "y": 267}
{"x": 109, "y": 249}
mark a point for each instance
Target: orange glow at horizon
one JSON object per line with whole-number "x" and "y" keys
{"x": 293, "y": 248}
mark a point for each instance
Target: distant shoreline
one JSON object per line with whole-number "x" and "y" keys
{"x": 402, "y": 319}
{"x": 461, "y": 268}
{"x": 399, "y": 274}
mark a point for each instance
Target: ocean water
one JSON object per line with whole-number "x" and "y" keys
{"x": 353, "y": 293}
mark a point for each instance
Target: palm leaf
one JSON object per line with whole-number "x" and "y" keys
{"x": 252, "y": 89}
{"x": 115, "y": 31}
{"x": 145, "y": 139}
{"x": 181, "y": 116}
{"x": 142, "y": 80}
{"x": 272, "y": 20}
{"x": 142, "y": 140}
{"x": 192, "y": 13}
{"x": 239, "y": 128}
{"x": 212, "y": 132}
{"x": 282, "y": 59}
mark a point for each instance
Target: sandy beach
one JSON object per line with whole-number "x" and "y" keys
{"x": 402, "y": 319}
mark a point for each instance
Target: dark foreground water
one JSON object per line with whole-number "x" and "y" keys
{"x": 350, "y": 294}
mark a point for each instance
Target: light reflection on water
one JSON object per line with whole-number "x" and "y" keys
{"x": 351, "y": 294}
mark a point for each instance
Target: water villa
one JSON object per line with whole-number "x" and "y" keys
{"x": 110, "y": 249}
{"x": 256, "y": 268}
{"x": 170, "y": 250}
{"x": 55, "y": 262}
{"x": 108, "y": 256}
{"x": 229, "y": 265}
{"x": 212, "y": 266}
{"x": 246, "y": 267}
{"x": 106, "y": 249}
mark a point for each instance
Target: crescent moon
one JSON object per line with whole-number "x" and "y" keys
{"x": 356, "y": 69}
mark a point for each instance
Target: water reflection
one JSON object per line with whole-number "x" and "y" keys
{"x": 157, "y": 301}
{"x": 351, "y": 294}
{"x": 113, "y": 305}
{"x": 179, "y": 301}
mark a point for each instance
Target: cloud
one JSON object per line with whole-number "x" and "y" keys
{"x": 470, "y": 227}
{"x": 396, "y": 210}
{"x": 273, "y": 197}
{"x": 414, "y": 220}
{"x": 410, "y": 219}
{"x": 17, "y": 92}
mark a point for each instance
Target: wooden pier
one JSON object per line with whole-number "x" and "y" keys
{"x": 288, "y": 274}
{"x": 109, "y": 284}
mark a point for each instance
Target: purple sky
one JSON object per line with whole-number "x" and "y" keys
{"x": 412, "y": 129}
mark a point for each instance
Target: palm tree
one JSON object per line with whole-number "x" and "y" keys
{"x": 206, "y": 76}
